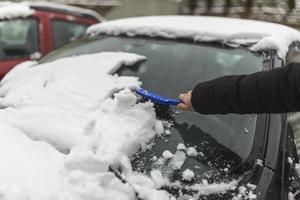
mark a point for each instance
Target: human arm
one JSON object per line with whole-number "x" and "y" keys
{"x": 274, "y": 91}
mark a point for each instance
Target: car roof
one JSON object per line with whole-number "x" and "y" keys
{"x": 26, "y": 8}
{"x": 259, "y": 35}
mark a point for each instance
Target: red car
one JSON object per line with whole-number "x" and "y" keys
{"x": 32, "y": 29}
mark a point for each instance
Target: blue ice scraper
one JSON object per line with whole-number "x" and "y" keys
{"x": 157, "y": 98}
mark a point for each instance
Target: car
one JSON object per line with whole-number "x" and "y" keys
{"x": 29, "y": 30}
{"x": 190, "y": 156}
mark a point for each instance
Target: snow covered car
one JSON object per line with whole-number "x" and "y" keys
{"x": 29, "y": 30}
{"x": 76, "y": 115}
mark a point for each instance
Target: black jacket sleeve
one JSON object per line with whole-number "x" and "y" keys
{"x": 274, "y": 91}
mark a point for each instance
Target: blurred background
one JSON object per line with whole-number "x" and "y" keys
{"x": 280, "y": 11}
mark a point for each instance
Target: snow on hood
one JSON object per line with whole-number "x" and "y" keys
{"x": 227, "y": 30}
{"x": 9, "y": 10}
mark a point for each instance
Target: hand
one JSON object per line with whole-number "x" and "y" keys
{"x": 187, "y": 103}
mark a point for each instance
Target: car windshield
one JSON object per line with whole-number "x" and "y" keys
{"x": 18, "y": 38}
{"x": 223, "y": 142}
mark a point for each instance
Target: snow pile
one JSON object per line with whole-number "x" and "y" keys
{"x": 188, "y": 175}
{"x": 264, "y": 35}
{"x": 10, "y": 10}
{"x": 65, "y": 123}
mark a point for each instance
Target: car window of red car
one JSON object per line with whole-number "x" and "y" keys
{"x": 64, "y": 31}
{"x": 19, "y": 38}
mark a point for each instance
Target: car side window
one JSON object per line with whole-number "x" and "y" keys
{"x": 65, "y": 31}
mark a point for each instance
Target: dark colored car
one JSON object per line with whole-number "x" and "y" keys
{"x": 258, "y": 151}
{"x": 39, "y": 28}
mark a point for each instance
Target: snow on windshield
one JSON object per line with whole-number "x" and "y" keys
{"x": 64, "y": 124}
{"x": 264, "y": 35}
{"x": 10, "y": 10}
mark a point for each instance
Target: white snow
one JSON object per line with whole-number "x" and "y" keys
{"x": 65, "y": 7}
{"x": 188, "y": 175}
{"x": 191, "y": 151}
{"x": 168, "y": 132}
{"x": 178, "y": 160}
{"x": 198, "y": 28}
{"x": 181, "y": 146}
{"x": 10, "y": 10}
{"x": 206, "y": 188}
{"x": 245, "y": 193}
{"x": 65, "y": 122}
{"x": 159, "y": 127}
{"x": 159, "y": 179}
{"x": 167, "y": 155}
{"x": 66, "y": 106}
{"x": 259, "y": 162}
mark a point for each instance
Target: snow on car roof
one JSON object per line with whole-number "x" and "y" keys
{"x": 64, "y": 7}
{"x": 260, "y": 35}
{"x": 10, "y": 10}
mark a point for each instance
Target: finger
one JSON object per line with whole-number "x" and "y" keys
{"x": 182, "y": 106}
{"x": 183, "y": 97}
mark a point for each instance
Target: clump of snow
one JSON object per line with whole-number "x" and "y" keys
{"x": 159, "y": 179}
{"x": 290, "y": 160}
{"x": 251, "y": 186}
{"x": 159, "y": 128}
{"x": 181, "y": 146}
{"x": 168, "y": 132}
{"x": 259, "y": 162}
{"x": 65, "y": 122}
{"x": 206, "y": 189}
{"x": 245, "y": 193}
{"x": 191, "y": 151}
{"x": 260, "y": 35}
{"x": 10, "y": 10}
{"x": 178, "y": 160}
{"x": 167, "y": 155}
{"x": 188, "y": 175}
{"x": 290, "y": 196}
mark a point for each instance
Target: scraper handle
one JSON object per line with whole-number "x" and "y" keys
{"x": 157, "y": 98}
